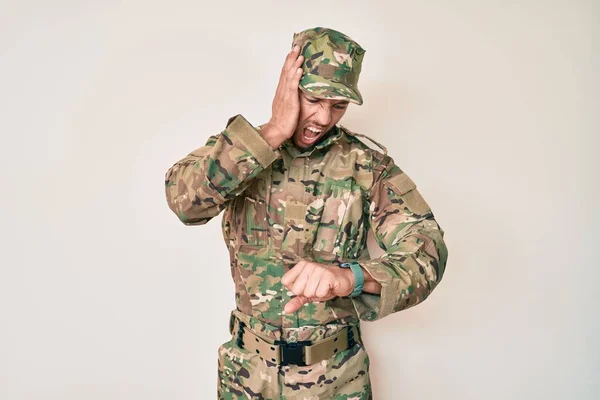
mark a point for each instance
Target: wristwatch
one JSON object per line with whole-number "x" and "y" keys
{"x": 359, "y": 277}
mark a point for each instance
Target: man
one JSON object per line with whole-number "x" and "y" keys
{"x": 300, "y": 194}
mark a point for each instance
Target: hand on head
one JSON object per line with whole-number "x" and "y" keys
{"x": 286, "y": 105}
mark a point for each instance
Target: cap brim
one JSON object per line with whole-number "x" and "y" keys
{"x": 318, "y": 86}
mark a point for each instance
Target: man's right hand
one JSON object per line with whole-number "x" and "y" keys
{"x": 286, "y": 104}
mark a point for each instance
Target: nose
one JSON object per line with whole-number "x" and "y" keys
{"x": 323, "y": 115}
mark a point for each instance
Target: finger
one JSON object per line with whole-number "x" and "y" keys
{"x": 292, "y": 68}
{"x": 292, "y": 79}
{"x": 289, "y": 59}
{"x": 301, "y": 280}
{"x": 289, "y": 73}
{"x": 280, "y": 87}
{"x": 289, "y": 277}
{"x": 324, "y": 288}
{"x": 294, "y": 304}
{"x": 289, "y": 70}
{"x": 295, "y": 80}
{"x": 321, "y": 299}
{"x": 313, "y": 283}
{"x": 297, "y": 63}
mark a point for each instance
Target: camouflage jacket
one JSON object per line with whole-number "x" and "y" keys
{"x": 285, "y": 205}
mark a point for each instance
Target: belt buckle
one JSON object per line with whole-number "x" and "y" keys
{"x": 292, "y": 353}
{"x": 240, "y": 334}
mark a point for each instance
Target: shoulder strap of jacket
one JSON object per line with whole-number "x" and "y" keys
{"x": 366, "y": 137}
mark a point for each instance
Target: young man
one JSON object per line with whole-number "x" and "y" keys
{"x": 300, "y": 194}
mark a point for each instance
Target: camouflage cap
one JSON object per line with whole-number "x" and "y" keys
{"x": 332, "y": 63}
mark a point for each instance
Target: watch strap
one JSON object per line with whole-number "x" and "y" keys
{"x": 359, "y": 277}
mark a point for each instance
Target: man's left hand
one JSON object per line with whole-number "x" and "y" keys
{"x": 313, "y": 282}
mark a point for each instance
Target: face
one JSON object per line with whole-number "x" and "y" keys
{"x": 317, "y": 117}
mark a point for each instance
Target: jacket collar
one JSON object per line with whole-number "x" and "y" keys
{"x": 333, "y": 136}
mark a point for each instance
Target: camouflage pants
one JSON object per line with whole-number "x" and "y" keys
{"x": 244, "y": 375}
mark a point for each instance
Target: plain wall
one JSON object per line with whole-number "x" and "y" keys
{"x": 491, "y": 107}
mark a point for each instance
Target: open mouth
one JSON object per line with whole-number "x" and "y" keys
{"x": 311, "y": 134}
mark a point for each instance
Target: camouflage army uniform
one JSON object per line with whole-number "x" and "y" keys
{"x": 284, "y": 205}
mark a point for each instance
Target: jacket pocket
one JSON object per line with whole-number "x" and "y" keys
{"x": 253, "y": 228}
{"x": 341, "y": 229}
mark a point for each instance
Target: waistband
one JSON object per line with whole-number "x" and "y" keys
{"x": 273, "y": 333}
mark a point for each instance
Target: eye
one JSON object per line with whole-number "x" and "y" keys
{"x": 313, "y": 101}
{"x": 341, "y": 106}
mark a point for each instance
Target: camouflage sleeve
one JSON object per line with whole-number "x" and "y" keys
{"x": 415, "y": 254}
{"x": 199, "y": 186}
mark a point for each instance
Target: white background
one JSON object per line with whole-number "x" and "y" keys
{"x": 491, "y": 107}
